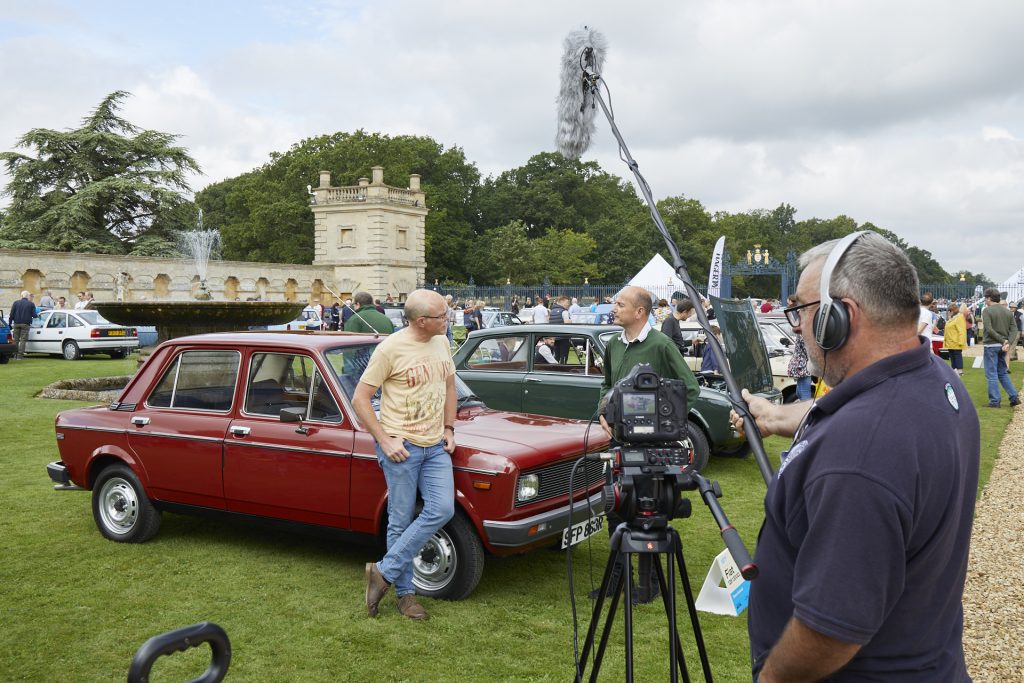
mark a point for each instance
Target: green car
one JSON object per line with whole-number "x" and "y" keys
{"x": 498, "y": 365}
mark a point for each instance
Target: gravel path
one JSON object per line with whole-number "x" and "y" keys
{"x": 994, "y": 595}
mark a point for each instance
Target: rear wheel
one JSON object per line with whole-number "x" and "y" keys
{"x": 121, "y": 508}
{"x": 449, "y": 566}
{"x": 4, "y": 358}
{"x": 71, "y": 351}
{"x": 116, "y": 353}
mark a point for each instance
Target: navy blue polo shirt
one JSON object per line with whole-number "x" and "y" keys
{"x": 868, "y": 523}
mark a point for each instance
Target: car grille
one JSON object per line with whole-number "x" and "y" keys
{"x": 554, "y": 479}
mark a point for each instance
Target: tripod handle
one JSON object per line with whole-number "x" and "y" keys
{"x": 731, "y": 537}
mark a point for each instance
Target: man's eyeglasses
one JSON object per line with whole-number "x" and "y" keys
{"x": 435, "y": 317}
{"x": 793, "y": 312}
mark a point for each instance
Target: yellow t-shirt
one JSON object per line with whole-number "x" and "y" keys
{"x": 413, "y": 378}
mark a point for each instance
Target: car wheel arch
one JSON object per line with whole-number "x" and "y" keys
{"x": 105, "y": 458}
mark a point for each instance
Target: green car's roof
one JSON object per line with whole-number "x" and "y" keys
{"x": 553, "y": 328}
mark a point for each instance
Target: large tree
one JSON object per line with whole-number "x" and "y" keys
{"x": 264, "y": 215}
{"x": 107, "y": 187}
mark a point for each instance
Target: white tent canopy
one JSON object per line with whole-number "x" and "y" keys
{"x": 659, "y": 278}
{"x": 1014, "y": 286}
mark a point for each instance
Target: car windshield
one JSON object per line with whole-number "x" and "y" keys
{"x": 349, "y": 362}
{"x": 92, "y": 318}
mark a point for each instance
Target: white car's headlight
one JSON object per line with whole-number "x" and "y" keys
{"x": 529, "y": 486}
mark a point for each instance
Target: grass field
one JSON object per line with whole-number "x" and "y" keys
{"x": 74, "y": 607}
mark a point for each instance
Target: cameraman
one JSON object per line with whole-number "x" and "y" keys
{"x": 639, "y": 343}
{"x": 863, "y": 551}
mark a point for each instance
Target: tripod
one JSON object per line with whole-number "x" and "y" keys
{"x": 625, "y": 542}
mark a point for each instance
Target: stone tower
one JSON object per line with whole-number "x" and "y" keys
{"x": 373, "y": 235}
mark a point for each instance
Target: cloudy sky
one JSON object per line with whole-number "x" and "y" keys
{"x": 906, "y": 114}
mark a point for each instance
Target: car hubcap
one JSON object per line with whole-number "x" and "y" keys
{"x": 69, "y": 351}
{"x": 119, "y": 505}
{"x": 434, "y": 566}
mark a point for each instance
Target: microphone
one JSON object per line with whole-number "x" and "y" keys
{"x": 582, "y": 61}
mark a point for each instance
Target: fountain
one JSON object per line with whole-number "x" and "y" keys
{"x": 174, "y": 319}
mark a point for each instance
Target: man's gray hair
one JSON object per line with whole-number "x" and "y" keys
{"x": 876, "y": 274}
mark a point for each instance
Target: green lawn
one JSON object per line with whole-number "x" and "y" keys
{"x": 74, "y": 606}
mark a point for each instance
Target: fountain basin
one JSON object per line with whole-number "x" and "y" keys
{"x": 174, "y": 319}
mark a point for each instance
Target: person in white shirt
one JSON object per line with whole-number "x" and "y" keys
{"x": 82, "y": 301}
{"x": 926, "y": 318}
{"x": 540, "y": 313}
{"x": 543, "y": 352}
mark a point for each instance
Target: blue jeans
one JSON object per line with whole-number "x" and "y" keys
{"x": 996, "y": 374}
{"x": 956, "y": 358}
{"x": 428, "y": 470}
{"x": 803, "y": 388}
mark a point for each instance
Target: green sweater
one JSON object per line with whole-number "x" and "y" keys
{"x": 656, "y": 349}
{"x": 369, "y": 320}
{"x": 999, "y": 325}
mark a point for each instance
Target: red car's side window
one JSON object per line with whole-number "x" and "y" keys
{"x": 198, "y": 380}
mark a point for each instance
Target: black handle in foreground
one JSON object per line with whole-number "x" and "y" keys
{"x": 180, "y": 640}
{"x": 730, "y": 536}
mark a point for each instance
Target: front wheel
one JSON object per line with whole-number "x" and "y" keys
{"x": 121, "y": 508}
{"x": 699, "y": 443}
{"x": 71, "y": 350}
{"x": 449, "y": 566}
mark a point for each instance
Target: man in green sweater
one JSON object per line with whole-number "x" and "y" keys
{"x": 367, "y": 318}
{"x": 640, "y": 343}
{"x": 999, "y": 326}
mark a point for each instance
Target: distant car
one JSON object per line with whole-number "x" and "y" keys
{"x": 309, "y": 319}
{"x": 496, "y": 318}
{"x": 498, "y": 364}
{"x": 75, "y": 333}
{"x": 7, "y": 348}
{"x": 396, "y": 314}
{"x": 261, "y": 425}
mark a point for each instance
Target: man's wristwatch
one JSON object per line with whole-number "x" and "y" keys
{"x": 450, "y": 427}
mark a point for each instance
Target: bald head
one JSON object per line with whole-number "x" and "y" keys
{"x": 636, "y": 297}
{"x": 423, "y": 302}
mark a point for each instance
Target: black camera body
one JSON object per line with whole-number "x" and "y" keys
{"x": 644, "y": 408}
{"x": 650, "y": 470}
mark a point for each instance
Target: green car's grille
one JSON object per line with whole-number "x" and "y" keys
{"x": 554, "y": 479}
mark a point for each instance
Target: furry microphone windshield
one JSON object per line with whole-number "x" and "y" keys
{"x": 583, "y": 58}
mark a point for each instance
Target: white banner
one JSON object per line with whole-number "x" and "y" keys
{"x": 715, "y": 275}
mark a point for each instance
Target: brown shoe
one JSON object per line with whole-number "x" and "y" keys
{"x": 376, "y": 587}
{"x": 408, "y": 606}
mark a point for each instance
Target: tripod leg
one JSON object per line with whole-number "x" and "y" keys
{"x": 608, "y": 579}
{"x": 692, "y": 607}
{"x": 609, "y": 620}
{"x": 668, "y": 594}
{"x": 628, "y": 609}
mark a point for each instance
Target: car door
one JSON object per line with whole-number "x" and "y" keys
{"x": 569, "y": 389}
{"x": 289, "y": 470}
{"x": 47, "y": 332}
{"x": 495, "y": 367}
{"x": 178, "y": 432}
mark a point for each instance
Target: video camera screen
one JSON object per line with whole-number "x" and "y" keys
{"x": 639, "y": 404}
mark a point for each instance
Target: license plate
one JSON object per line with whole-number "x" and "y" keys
{"x": 115, "y": 333}
{"x": 581, "y": 531}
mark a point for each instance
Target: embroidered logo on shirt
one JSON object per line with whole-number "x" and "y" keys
{"x": 790, "y": 455}
{"x": 951, "y": 397}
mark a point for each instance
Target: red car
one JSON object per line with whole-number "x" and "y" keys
{"x": 261, "y": 424}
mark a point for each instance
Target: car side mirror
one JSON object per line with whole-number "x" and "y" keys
{"x": 292, "y": 414}
{"x": 786, "y": 341}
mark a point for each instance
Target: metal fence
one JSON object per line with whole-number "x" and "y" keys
{"x": 500, "y": 296}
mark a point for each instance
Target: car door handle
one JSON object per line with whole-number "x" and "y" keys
{"x": 534, "y": 379}
{"x": 140, "y": 421}
{"x": 240, "y": 431}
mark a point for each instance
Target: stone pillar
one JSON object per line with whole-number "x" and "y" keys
{"x": 325, "y": 178}
{"x": 378, "y": 175}
{"x": 414, "y": 182}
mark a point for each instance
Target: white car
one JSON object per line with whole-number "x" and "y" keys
{"x": 73, "y": 334}
{"x": 309, "y": 319}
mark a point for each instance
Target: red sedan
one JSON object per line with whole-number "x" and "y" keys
{"x": 261, "y": 424}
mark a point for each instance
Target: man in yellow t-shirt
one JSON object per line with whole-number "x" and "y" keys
{"x": 415, "y": 437}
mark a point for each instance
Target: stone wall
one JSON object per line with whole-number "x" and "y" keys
{"x": 126, "y": 278}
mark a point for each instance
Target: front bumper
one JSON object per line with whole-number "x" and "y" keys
{"x": 546, "y": 525}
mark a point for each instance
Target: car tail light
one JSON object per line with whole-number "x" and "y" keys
{"x": 10, "y": 337}
{"x": 94, "y": 333}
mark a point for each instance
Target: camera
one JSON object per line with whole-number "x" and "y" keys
{"x": 644, "y": 408}
{"x": 651, "y": 466}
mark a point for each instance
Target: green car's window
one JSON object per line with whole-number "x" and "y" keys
{"x": 576, "y": 355}
{"x": 506, "y": 353}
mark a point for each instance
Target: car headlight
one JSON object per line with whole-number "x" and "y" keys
{"x": 529, "y": 486}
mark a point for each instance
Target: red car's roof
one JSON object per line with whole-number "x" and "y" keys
{"x": 318, "y": 341}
